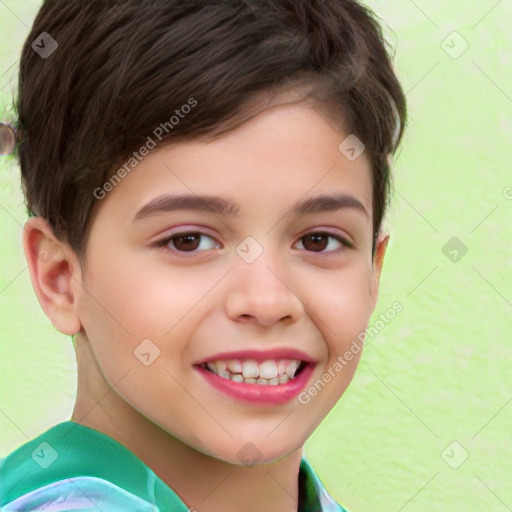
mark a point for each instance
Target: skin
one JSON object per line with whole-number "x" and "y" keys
{"x": 211, "y": 300}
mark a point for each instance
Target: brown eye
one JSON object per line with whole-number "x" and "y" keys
{"x": 188, "y": 242}
{"x": 315, "y": 242}
{"x": 320, "y": 241}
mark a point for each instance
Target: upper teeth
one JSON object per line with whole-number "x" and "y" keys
{"x": 271, "y": 371}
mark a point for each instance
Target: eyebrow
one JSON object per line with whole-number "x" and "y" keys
{"x": 228, "y": 208}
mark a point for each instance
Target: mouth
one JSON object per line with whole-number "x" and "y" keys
{"x": 265, "y": 379}
{"x": 270, "y": 372}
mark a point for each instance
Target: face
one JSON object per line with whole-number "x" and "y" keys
{"x": 260, "y": 282}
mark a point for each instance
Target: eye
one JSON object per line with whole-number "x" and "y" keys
{"x": 188, "y": 241}
{"x": 319, "y": 241}
{"x": 195, "y": 241}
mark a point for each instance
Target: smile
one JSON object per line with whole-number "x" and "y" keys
{"x": 271, "y": 372}
{"x": 270, "y": 378}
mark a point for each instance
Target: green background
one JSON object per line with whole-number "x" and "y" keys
{"x": 441, "y": 371}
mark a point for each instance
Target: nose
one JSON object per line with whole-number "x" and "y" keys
{"x": 262, "y": 292}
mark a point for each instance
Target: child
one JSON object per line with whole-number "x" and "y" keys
{"x": 206, "y": 182}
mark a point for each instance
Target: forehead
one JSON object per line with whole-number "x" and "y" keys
{"x": 286, "y": 152}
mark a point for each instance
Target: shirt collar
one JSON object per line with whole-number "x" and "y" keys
{"x": 82, "y": 451}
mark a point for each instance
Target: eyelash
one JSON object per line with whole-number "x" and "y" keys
{"x": 163, "y": 244}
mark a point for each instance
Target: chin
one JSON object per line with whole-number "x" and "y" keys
{"x": 247, "y": 451}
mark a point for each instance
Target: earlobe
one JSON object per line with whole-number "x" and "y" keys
{"x": 55, "y": 272}
{"x": 378, "y": 262}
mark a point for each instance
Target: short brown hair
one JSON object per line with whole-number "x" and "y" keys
{"x": 122, "y": 67}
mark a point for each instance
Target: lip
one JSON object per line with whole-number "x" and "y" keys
{"x": 261, "y": 355}
{"x": 259, "y": 393}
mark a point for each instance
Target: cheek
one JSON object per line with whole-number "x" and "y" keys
{"x": 107, "y": 310}
{"x": 125, "y": 304}
{"x": 342, "y": 303}
{"x": 149, "y": 296}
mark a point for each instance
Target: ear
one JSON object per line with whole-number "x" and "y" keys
{"x": 378, "y": 261}
{"x": 55, "y": 273}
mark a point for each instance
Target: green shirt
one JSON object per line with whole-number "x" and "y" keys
{"x": 71, "y": 467}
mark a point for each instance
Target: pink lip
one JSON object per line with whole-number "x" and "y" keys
{"x": 258, "y": 393}
{"x": 261, "y": 355}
